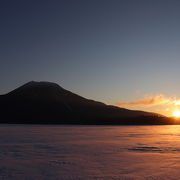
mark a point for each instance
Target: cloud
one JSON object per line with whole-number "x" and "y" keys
{"x": 150, "y": 100}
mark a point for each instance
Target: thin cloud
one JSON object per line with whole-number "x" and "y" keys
{"x": 149, "y": 100}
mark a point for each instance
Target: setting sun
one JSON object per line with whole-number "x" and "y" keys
{"x": 176, "y": 113}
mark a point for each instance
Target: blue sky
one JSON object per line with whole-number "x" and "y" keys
{"x": 107, "y": 50}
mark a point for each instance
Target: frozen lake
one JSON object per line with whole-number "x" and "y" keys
{"x": 89, "y": 152}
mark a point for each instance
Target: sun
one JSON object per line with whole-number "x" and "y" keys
{"x": 176, "y": 113}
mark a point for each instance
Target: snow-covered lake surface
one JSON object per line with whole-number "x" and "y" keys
{"x": 89, "y": 152}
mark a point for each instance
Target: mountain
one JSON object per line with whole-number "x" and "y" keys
{"x": 46, "y": 102}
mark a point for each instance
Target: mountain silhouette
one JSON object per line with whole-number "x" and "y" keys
{"x": 46, "y": 103}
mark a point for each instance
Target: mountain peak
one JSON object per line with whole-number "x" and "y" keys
{"x": 41, "y": 84}
{"x": 38, "y": 89}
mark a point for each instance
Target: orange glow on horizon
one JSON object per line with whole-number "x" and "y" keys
{"x": 176, "y": 113}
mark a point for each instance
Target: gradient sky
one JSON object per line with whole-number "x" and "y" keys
{"x": 107, "y": 50}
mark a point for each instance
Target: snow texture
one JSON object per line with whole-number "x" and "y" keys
{"x": 29, "y": 152}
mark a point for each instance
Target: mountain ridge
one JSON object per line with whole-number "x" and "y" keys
{"x": 46, "y": 102}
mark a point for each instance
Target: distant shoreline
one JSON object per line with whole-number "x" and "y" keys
{"x": 84, "y": 125}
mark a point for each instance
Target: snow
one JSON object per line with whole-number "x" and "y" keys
{"x": 89, "y": 152}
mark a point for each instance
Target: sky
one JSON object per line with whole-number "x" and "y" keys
{"x": 120, "y": 52}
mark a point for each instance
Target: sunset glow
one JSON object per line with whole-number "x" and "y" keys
{"x": 176, "y": 113}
